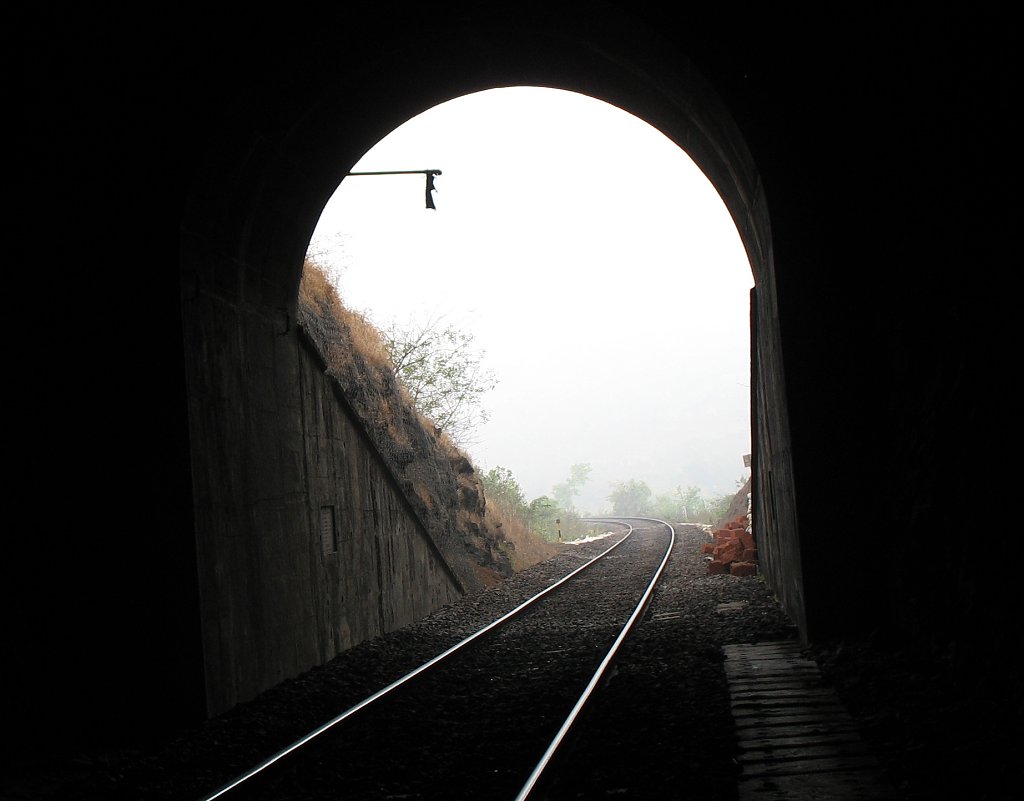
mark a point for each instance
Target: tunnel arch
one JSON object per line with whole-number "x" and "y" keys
{"x": 174, "y": 169}
{"x": 285, "y": 171}
{"x": 277, "y": 151}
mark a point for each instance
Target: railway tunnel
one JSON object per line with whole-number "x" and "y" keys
{"x": 866, "y": 159}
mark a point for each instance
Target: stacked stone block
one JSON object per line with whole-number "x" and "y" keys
{"x": 732, "y": 548}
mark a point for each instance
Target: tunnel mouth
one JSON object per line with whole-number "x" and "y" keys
{"x": 564, "y": 270}
{"x": 243, "y": 249}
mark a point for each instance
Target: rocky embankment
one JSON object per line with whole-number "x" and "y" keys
{"x": 438, "y": 480}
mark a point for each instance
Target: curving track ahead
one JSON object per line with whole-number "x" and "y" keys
{"x": 485, "y": 719}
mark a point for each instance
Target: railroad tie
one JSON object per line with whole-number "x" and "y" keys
{"x": 796, "y": 740}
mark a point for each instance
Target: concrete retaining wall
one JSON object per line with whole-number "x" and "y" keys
{"x": 305, "y": 543}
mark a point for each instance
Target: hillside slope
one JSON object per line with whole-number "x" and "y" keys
{"x": 438, "y": 479}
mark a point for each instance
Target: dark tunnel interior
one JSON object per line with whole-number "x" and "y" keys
{"x": 174, "y": 175}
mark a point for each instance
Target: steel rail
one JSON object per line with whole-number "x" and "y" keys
{"x": 262, "y": 766}
{"x": 534, "y": 778}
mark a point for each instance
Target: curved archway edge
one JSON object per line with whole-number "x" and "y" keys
{"x": 278, "y": 156}
{"x": 174, "y": 177}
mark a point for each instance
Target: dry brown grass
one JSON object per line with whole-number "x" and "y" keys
{"x": 451, "y": 450}
{"x": 316, "y": 290}
{"x": 355, "y": 349}
{"x": 359, "y": 340}
{"x": 487, "y": 577}
{"x": 528, "y": 548}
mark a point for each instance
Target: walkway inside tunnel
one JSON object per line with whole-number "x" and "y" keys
{"x": 584, "y": 253}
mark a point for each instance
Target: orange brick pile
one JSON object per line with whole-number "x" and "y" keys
{"x": 732, "y": 549}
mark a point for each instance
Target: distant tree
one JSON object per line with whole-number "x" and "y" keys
{"x": 690, "y": 505}
{"x": 543, "y": 514}
{"x": 501, "y": 487}
{"x": 693, "y": 503}
{"x": 630, "y": 498}
{"x": 564, "y": 492}
{"x": 444, "y": 375}
{"x": 669, "y": 505}
{"x": 718, "y": 507}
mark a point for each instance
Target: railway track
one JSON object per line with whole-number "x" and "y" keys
{"x": 487, "y": 718}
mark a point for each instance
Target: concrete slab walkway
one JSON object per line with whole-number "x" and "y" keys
{"x": 797, "y": 742}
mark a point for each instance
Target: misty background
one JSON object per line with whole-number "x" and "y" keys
{"x": 602, "y": 279}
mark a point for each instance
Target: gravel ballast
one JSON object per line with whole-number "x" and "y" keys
{"x": 660, "y": 728}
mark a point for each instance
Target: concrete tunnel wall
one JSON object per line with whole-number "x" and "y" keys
{"x": 306, "y": 545}
{"x": 197, "y": 161}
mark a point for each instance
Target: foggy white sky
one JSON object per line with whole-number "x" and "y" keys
{"x": 594, "y": 263}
